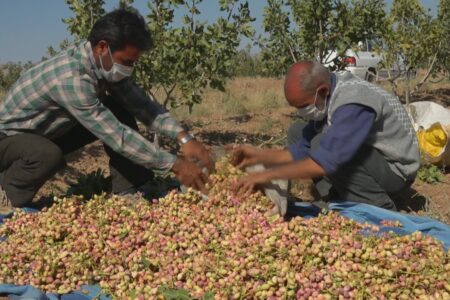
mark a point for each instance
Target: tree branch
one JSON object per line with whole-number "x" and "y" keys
{"x": 292, "y": 52}
{"x": 152, "y": 95}
{"x": 392, "y": 81}
{"x": 430, "y": 69}
{"x": 230, "y": 13}
{"x": 438, "y": 81}
{"x": 168, "y": 94}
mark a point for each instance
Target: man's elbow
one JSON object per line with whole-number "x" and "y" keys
{"x": 317, "y": 170}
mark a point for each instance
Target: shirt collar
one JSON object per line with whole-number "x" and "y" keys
{"x": 333, "y": 79}
{"x": 87, "y": 58}
{"x": 333, "y": 85}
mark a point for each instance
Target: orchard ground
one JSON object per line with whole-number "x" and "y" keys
{"x": 253, "y": 111}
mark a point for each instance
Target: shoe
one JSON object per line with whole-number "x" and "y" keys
{"x": 5, "y": 204}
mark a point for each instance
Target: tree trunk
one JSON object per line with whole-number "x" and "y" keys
{"x": 429, "y": 71}
{"x": 408, "y": 91}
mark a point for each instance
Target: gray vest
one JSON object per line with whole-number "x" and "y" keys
{"x": 392, "y": 133}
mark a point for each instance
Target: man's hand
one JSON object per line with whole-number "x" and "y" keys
{"x": 243, "y": 155}
{"x": 245, "y": 185}
{"x": 189, "y": 174}
{"x": 194, "y": 150}
{"x": 306, "y": 168}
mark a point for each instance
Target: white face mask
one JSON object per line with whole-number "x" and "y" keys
{"x": 311, "y": 112}
{"x": 117, "y": 71}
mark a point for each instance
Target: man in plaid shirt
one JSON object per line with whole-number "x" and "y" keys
{"x": 85, "y": 94}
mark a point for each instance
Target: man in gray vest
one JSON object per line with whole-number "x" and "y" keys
{"x": 359, "y": 139}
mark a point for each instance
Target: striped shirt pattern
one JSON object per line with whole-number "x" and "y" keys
{"x": 53, "y": 96}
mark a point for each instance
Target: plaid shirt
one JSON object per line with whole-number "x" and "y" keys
{"x": 53, "y": 96}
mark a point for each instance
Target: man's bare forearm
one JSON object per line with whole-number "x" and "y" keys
{"x": 302, "y": 169}
{"x": 271, "y": 157}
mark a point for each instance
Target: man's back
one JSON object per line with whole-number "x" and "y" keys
{"x": 30, "y": 104}
{"x": 392, "y": 133}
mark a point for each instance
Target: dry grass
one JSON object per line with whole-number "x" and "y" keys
{"x": 256, "y": 106}
{"x": 433, "y": 86}
{"x": 243, "y": 96}
{"x": 253, "y": 95}
{"x": 250, "y": 105}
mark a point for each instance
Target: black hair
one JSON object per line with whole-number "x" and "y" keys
{"x": 122, "y": 27}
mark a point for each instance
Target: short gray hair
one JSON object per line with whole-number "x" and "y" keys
{"x": 314, "y": 75}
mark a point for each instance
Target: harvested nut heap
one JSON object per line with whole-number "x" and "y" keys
{"x": 223, "y": 247}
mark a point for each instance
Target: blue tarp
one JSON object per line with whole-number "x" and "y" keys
{"x": 362, "y": 213}
{"x": 356, "y": 211}
{"x": 27, "y": 292}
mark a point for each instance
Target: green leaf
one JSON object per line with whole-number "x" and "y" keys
{"x": 187, "y": 52}
{"x": 174, "y": 294}
{"x": 430, "y": 174}
{"x": 208, "y": 296}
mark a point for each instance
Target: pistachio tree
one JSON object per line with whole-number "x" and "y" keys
{"x": 86, "y": 13}
{"x": 444, "y": 23}
{"x": 413, "y": 40}
{"x": 315, "y": 29}
{"x": 10, "y": 72}
{"x": 186, "y": 58}
{"x": 280, "y": 46}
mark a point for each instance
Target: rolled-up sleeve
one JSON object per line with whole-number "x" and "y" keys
{"x": 302, "y": 148}
{"x": 77, "y": 95}
{"x": 144, "y": 108}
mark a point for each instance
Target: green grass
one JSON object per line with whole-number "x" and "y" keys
{"x": 430, "y": 174}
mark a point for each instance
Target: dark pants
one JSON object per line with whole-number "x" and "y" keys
{"x": 28, "y": 160}
{"x": 367, "y": 178}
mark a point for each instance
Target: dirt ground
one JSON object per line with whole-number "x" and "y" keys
{"x": 248, "y": 119}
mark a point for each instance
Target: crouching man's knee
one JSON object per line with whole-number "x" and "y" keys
{"x": 44, "y": 161}
{"x": 31, "y": 160}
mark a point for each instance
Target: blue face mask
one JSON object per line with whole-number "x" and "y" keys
{"x": 311, "y": 112}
